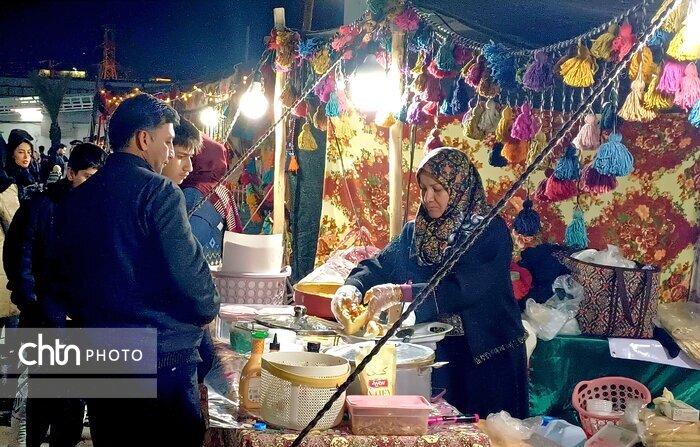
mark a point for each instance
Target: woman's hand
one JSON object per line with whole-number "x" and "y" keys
{"x": 348, "y": 310}
{"x": 382, "y": 297}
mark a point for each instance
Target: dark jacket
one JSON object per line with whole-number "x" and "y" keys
{"x": 27, "y": 184}
{"x": 478, "y": 289}
{"x": 30, "y": 258}
{"x": 131, "y": 259}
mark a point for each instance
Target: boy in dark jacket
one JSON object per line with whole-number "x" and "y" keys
{"x": 30, "y": 260}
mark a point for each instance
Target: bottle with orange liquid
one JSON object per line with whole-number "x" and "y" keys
{"x": 249, "y": 385}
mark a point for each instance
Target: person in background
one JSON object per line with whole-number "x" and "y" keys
{"x": 487, "y": 370}
{"x": 143, "y": 268}
{"x": 55, "y": 175}
{"x": 219, "y": 213}
{"x": 30, "y": 258}
{"x": 19, "y": 158}
{"x": 35, "y": 164}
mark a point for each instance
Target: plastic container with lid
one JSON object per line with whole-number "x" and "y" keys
{"x": 388, "y": 415}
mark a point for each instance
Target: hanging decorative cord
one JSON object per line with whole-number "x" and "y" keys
{"x": 467, "y": 243}
{"x": 262, "y": 139}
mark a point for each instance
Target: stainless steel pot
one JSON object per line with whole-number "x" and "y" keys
{"x": 414, "y": 367}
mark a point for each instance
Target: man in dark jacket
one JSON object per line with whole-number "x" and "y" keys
{"x": 131, "y": 261}
{"x": 30, "y": 259}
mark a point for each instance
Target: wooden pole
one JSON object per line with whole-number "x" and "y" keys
{"x": 396, "y": 139}
{"x": 280, "y": 179}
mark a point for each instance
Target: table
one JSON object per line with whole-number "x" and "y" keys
{"x": 556, "y": 367}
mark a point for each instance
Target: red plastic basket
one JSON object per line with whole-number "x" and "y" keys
{"x": 615, "y": 389}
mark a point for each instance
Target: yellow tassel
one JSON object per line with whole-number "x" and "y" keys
{"x": 487, "y": 88}
{"x": 252, "y": 203}
{"x": 674, "y": 21}
{"x": 633, "y": 108}
{"x": 293, "y": 164}
{"x": 601, "y": 48}
{"x": 420, "y": 64}
{"x": 267, "y": 155}
{"x": 321, "y": 62}
{"x": 419, "y": 83}
{"x": 655, "y": 100}
{"x": 467, "y": 66}
{"x": 320, "y": 118}
{"x": 536, "y": 145}
{"x": 306, "y": 139}
{"x": 579, "y": 71}
{"x": 683, "y": 50}
{"x": 287, "y": 97}
{"x": 515, "y": 151}
{"x": 384, "y": 119}
{"x": 504, "y": 125}
{"x": 472, "y": 128}
{"x": 645, "y": 59}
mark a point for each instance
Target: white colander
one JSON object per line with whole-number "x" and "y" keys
{"x": 296, "y": 385}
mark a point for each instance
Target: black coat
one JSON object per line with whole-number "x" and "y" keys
{"x": 30, "y": 258}
{"x": 130, "y": 259}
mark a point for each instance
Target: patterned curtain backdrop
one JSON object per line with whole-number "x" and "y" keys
{"x": 653, "y": 215}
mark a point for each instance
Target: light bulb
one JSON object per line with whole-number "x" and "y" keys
{"x": 369, "y": 85}
{"x": 30, "y": 114}
{"x": 209, "y": 117}
{"x": 253, "y": 102}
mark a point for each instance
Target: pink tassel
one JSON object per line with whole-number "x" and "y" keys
{"x": 431, "y": 108}
{"x": 433, "y": 141}
{"x": 690, "y": 88}
{"x": 525, "y": 126}
{"x": 301, "y": 110}
{"x": 624, "y": 42}
{"x": 475, "y": 72}
{"x": 325, "y": 88}
{"x": 588, "y": 137}
{"x": 558, "y": 190}
{"x": 671, "y": 77}
{"x": 408, "y": 20}
{"x": 433, "y": 91}
{"x": 462, "y": 55}
{"x": 541, "y": 191}
{"x": 596, "y": 183}
{"x": 415, "y": 115}
{"x": 440, "y": 74}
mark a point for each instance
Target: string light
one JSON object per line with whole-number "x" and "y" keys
{"x": 253, "y": 102}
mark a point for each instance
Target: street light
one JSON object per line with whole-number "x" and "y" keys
{"x": 209, "y": 117}
{"x": 30, "y": 114}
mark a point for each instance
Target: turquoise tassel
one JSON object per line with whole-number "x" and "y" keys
{"x": 576, "y": 236}
{"x": 268, "y": 176}
{"x": 694, "y": 116}
{"x": 267, "y": 226}
{"x": 422, "y": 37}
{"x": 568, "y": 167}
{"x": 445, "y": 59}
{"x": 613, "y": 158}
{"x": 332, "y": 107}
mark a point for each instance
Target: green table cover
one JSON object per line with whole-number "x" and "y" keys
{"x": 556, "y": 367}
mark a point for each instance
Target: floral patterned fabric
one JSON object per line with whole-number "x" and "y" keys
{"x": 652, "y": 215}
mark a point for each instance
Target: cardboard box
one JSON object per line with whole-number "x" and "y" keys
{"x": 680, "y": 411}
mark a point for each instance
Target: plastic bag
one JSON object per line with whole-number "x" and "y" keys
{"x": 509, "y": 429}
{"x": 610, "y": 257}
{"x": 567, "y": 298}
{"x": 546, "y": 320}
{"x": 657, "y": 430}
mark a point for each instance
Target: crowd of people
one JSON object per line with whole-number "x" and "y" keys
{"x": 104, "y": 240}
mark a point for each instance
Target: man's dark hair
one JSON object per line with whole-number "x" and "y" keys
{"x": 141, "y": 112}
{"x": 61, "y": 146}
{"x": 86, "y": 156}
{"x": 187, "y": 135}
{"x": 42, "y": 149}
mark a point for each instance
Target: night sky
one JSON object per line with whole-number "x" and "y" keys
{"x": 181, "y": 39}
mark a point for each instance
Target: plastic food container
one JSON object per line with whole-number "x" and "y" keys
{"x": 388, "y": 415}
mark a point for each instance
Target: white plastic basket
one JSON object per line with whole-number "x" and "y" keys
{"x": 296, "y": 385}
{"x": 252, "y": 288}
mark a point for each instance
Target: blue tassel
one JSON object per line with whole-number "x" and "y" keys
{"x": 445, "y": 59}
{"x": 445, "y": 107}
{"x": 422, "y": 37}
{"x": 266, "y": 226}
{"x": 308, "y": 47}
{"x": 251, "y": 167}
{"x": 332, "y": 107}
{"x": 460, "y": 97}
{"x": 568, "y": 167}
{"x": 501, "y": 64}
{"x": 613, "y": 158}
{"x": 694, "y": 116}
{"x": 496, "y": 158}
{"x": 608, "y": 118}
{"x": 268, "y": 176}
{"x": 576, "y": 236}
{"x": 527, "y": 222}
{"x": 659, "y": 39}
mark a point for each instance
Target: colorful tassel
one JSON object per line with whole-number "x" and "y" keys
{"x": 613, "y": 158}
{"x": 527, "y": 222}
{"x": 252, "y": 201}
{"x": 433, "y": 91}
{"x": 671, "y": 77}
{"x": 515, "y": 151}
{"x": 539, "y": 76}
{"x": 471, "y": 129}
{"x": 576, "y": 237}
{"x": 501, "y": 64}
{"x": 536, "y": 145}
{"x": 568, "y": 167}
{"x": 689, "y": 92}
{"x": 601, "y": 48}
{"x": 624, "y": 42}
{"x": 490, "y": 117}
{"x": 504, "y": 125}
{"x": 306, "y": 140}
{"x": 433, "y": 141}
{"x": 415, "y": 115}
{"x": 496, "y": 158}
{"x": 321, "y": 62}
{"x": 325, "y": 88}
{"x": 430, "y": 108}
{"x": 694, "y": 117}
{"x": 487, "y": 88}
{"x": 659, "y": 39}
{"x": 293, "y": 165}
{"x": 320, "y": 118}
{"x": 461, "y": 55}
{"x": 475, "y": 71}
{"x": 419, "y": 83}
{"x": 541, "y": 191}
{"x": 332, "y": 107}
{"x": 633, "y": 108}
{"x": 525, "y": 126}
{"x": 645, "y": 60}
{"x": 560, "y": 190}
{"x": 608, "y": 118}
{"x": 579, "y": 71}
{"x": 446, "y": 107}
{"x": 435, "y": 72}
{"x": 588, "y": 138}
{"x": 408, "y": 20}
{"x": 419, "y": 66}
{"x": 571, "y": 53}
{"x": 423, "y": 36}
{"x": 460, "y": 98}
{"x": 385, "y": 120}
{"x": 654, "y": 99}
{"x": 301, "y": 110}
{"x": 288, "y": 97}
{"x": 675, "y": 19}
{"x": 445, "y": 59}
{"x": 596, "y": 183}
{"x": 682, "y": 49}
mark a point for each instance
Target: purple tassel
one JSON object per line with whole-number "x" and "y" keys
{"x": 596, "y": 183}
{"x": 433, "y": 141}
{"x": 525, "y": 126}
{"x": 433, "y": 91}
{"x": 415, "y": 113}
{"x": 671, "y": 77}
{"x": 539, "y": 76}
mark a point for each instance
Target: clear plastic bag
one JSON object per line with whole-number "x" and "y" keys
{"x": 567, "y": 298}
{"x": 509, "y": 429}
{"x": 610, "y": 257}
{"x": 656, "y": 430}
{"x": 546, "y": 320}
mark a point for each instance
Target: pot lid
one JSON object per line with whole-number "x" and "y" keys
{"x": 408, "y": 355}
{"x": 301, "y": 323}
